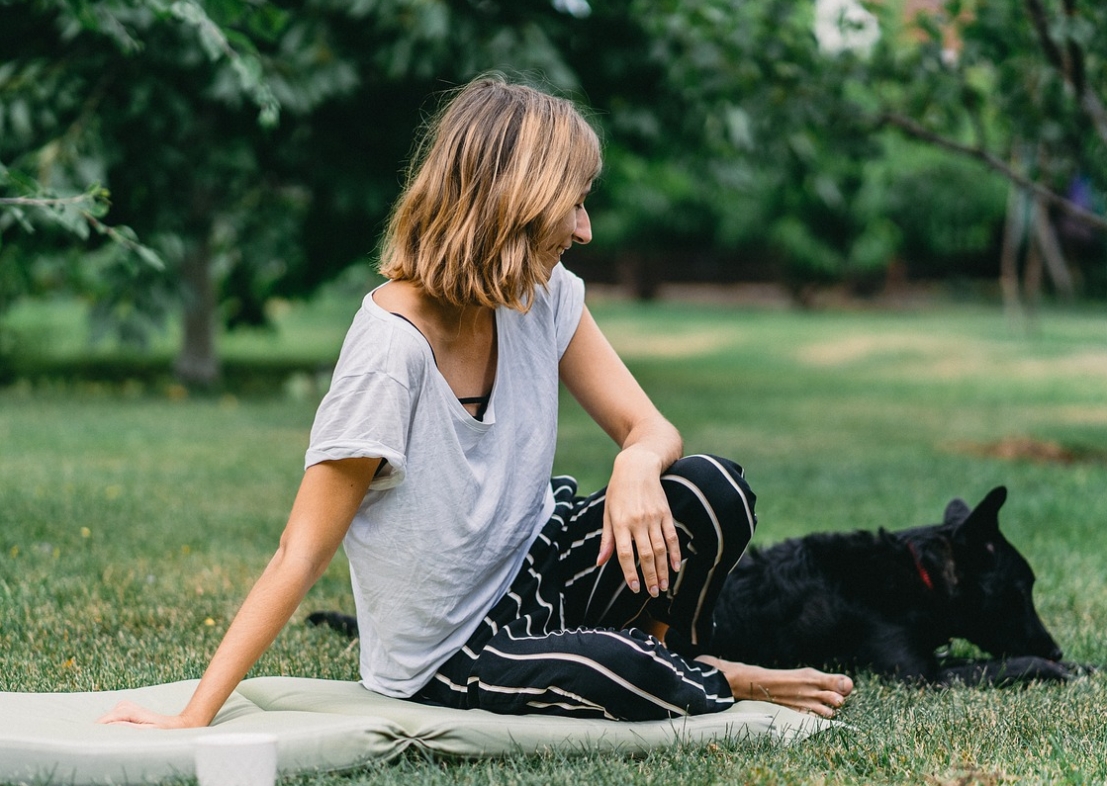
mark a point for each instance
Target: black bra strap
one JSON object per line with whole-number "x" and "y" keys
{"x": 481, "y": 400}
{"x": 405, "y": 319}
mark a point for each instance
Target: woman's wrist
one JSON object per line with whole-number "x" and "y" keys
{"x": 655, "y": 455}
{"x": 639, "y": 454}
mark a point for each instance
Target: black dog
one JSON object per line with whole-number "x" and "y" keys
{"x": 885, "y": 601}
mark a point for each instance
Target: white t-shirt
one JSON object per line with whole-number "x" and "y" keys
{"x": 445, "y": 527}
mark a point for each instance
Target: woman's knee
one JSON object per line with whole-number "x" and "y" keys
{"x": 720, "y": 481}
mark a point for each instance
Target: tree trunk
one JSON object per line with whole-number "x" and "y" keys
{"x": 638, "y": 274}
{"x": 1013, "y": 231}
{"x": 197, "y": 365}
{"x": 1032, "y": 280}
{"x": 1051, "y": 251}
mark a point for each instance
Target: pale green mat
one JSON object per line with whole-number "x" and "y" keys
{"x": 324, "y": 725}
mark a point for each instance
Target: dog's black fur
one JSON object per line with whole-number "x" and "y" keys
{"x": 886, "y": 601}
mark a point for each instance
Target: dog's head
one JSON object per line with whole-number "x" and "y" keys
{"x": 992, "y": 584}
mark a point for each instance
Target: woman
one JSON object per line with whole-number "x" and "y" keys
{"x": 479, "y": 582}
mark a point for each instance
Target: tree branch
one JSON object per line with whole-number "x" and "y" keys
{"x": 44, "y": 201}
{"x": 1070, "y": 62}
{"x": 1053, "y": 52}
{"x": 1076, "y": 54}
{"x": 917, "y": 130}
{"x": 124, "y": 238}
{"x": 1095, "y": 110}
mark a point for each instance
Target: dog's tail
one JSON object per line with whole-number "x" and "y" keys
{"x": 343, "y": 623}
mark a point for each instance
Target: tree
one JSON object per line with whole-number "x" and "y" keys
{"x": 254, "y": 147}
{"x": 175, "y": 107}
{"x": 1016, "y": 86}
{"x": 130, "y": 94}
{"x": 787, "y": 126}
{"x": 782, "y": 144}
{"x": 1015, "y": 74}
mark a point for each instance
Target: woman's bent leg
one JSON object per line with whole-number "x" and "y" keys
{"x": 555, "y": 644}
{"x": 593, "y": 673}
{"x": 713, "y": 508}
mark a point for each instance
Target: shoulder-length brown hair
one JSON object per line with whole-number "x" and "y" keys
{"x": 499, "y": 169}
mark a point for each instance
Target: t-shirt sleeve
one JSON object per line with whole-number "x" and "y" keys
{"x": 366, "y": 413}
{"x": 567, "y": 290}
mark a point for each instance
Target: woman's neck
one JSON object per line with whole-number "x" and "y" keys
{"x": 441, "y": 321}
{"x": 462, "y": 338}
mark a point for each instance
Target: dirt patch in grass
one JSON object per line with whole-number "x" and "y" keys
{"x": 971, "y": 777}
{"x": 1042, "y": 451}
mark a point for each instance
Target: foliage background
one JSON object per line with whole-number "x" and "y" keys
{"x": 250, "y": 150}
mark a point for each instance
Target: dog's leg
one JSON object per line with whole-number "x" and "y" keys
{"x": 1080, "y": 669}
{"x": 1004, "y": 673}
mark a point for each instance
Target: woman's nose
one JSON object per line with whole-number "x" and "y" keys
{"x": 582, "y": 232}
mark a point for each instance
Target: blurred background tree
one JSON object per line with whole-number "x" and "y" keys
{"x": 172, "y": 106}
{"x": 1018, "y": 87}
{"x": 251, "y": 149}
{"x": 254, "y": 147}
{"x": 980, "y": 96}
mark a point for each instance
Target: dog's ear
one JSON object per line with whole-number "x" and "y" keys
{"x": 956, "y": 512}
{"x": 984, "y": 518}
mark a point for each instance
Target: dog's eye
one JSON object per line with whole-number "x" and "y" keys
{"x": 991, "y": 547}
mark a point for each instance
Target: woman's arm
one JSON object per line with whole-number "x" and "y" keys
{"x": 636, "y": 515}
{"x": 329, "y": 496}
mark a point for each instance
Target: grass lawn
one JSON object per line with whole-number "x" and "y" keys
{"x": 133, "y": 518}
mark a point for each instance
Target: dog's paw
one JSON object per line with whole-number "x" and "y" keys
{"x": 1031, "y": 668}
{"x": 1011, "y": 672}
{"x": 1063, "y": 670}
{"x": 1079, "y": 669}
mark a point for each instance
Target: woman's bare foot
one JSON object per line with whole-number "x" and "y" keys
{"x": 807, "y": 690}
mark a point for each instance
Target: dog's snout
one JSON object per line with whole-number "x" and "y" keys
{"x": 1038, "y": 638}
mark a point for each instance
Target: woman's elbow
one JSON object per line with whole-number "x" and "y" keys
{"x": 301, "y": 561}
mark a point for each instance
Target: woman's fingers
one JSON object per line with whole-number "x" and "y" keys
{"x": 645, "y": 552}
{"x": 626, "y": 554}
{"x": 672, "y": 542}
{"x": 638, "y": 525}
{"x": 660, "y": 558}
{"x": 127, "y": 713}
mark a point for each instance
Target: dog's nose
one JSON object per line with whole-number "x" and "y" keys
{"x": 1055, "y": 653}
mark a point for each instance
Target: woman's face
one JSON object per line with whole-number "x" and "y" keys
{"x": 575, "y": 227}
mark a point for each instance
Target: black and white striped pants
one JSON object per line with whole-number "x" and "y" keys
{"x": 560, "y": 641}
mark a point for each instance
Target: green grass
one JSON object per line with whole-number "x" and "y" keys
{"x": 133, "y": 520}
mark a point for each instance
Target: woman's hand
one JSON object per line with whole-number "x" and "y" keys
{"x": 127, "y": 713}
{"x": 637, "y": 519}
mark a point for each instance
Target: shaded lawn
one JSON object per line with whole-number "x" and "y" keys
{"x": 133, "y": 521}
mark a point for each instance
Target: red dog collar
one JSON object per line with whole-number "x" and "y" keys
{"x": 919, "y": 567}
